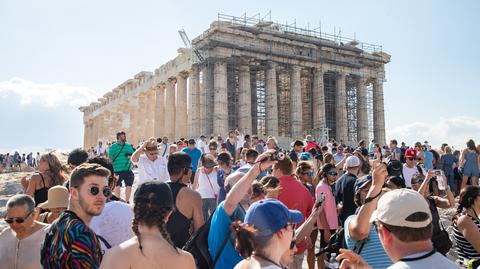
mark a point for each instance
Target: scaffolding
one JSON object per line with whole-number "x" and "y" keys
{"x": 370, "y": 111}
{"x": 351, "y": 87}
{"x": 306, "y": 82}
{"x": 232, "y": 95}
{"x": 330, "y": 85}
{"x": 283, "y": 91}
{"x": 261, "y": 106}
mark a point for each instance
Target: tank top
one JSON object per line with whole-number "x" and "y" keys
{"x": 464, "y": 248}
{"x": 178, "y": 226}
{"x": 207, "y": 184}
{"x": 41, "y": 195}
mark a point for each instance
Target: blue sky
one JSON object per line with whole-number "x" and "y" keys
{"x": 55, "y": 55}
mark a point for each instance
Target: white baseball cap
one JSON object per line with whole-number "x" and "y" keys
{"x": 394, "y": 208}
{"x": 352, "y": 161}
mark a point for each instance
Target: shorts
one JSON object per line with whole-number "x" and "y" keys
{"x": 126, "y": 176}
{"x": 323, "y": 243}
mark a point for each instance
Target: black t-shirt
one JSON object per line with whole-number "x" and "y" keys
{"x": 345, "y": 192}
{"x": 293, "y": 156}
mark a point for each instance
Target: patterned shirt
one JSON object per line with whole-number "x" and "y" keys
{"x": 69, "y": 243}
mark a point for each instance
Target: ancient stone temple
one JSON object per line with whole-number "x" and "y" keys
{"x": 253, "y": 75}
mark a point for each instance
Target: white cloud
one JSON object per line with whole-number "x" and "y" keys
{"x": 453, "y": 130}
{"x": 47, "y": 95}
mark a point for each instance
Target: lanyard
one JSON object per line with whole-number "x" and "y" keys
{"x": 268, "y": 260}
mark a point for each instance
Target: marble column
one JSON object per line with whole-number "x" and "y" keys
{"x": 150, "y": 113}
{"x": 94, "y": 136}
{"x": 244, "y": 100}
{"x": 132, "y": 133}
{"x": 220, "y": 109}
{"x": 170, "y": 109}
{"x": 341, "y": 110}
{"x": 202, "y": 100}
{"x": 159, "y": 110}
{"x": 193, "y": 103}
{"x": 296, "y": 115}
{"x": 318, "y": 96}
{"x": 271, "y": 104}
{"x": 362, "y": 112}
{"x": 181, "y": 106}
{"x": 378, "y": 112}
{"x": 141, "y": 126}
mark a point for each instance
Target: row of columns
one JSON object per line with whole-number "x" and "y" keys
{"x": 164, "y": 110}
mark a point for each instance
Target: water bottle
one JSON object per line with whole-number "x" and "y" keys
{"x": 473, "y": 264}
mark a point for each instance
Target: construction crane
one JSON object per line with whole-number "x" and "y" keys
{"x": 188, "y": 44}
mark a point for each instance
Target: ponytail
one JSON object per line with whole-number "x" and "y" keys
{"x": 244, "y": 235}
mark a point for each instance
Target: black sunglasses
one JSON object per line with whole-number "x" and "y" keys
{"x": 18, "y": 220}
{"x": 411, "y": 159}
{"x": 94, "y": 190}
{"x": 333, "y": 173}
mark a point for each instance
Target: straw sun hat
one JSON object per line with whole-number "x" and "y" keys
{"x": 57, "y": 198}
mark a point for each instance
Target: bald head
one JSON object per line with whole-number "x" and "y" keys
{"x": 232, "y": 179}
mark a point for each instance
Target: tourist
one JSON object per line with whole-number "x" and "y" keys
{"x": 448, "y": 161}
{"x": 20, "y": 242}
{"x": 205, "y": 183}
{"x": 267, "y": 233}
{"x": 403, "y": 223}
{"x": 150, "y": 165}
{"x": 187, "y": 212}
{"x": 195, "y": 155}
{"x": 233, "y": 209}
{"x": 76, "y": 157}
{"x": 212, "y": 148}
{"x": 295, "y": 196}
{"x": 364, "y": 163}
{"x": 469, "y": 164}
{"x": 272, "y": 143}
{"x": 113, "y": 225}
{"x": 231, "y": 145}
{"x": 371, "y": 146}
{"x": 395, "y": 182}
{"x": 395, "y": 150}
{"x": 100, "y": 150}
{"x": 327, "y": 222}
{"x": 377, "y": 153}
{"x": 50, "y": 173}
{"x": 410, "y": 167}
{"x": 164, "y": 148}
{"x": 344, "y": 188}
{"x": 172, "y": 149}
{"x": 57, "y": 203}
{"x": 203, "y": 145}
{"x": 70, "y": 233}
{"x": 362, "y": 146}
{"x": 271, "y": 186}
{"x": 151, "y": 247}
{"x": 297, "y": 148}
{"x": 340, "y": 154}
{"x": 225, "y": 162}
{"x": 256, "y": 145}
{"x": 119, "y": 154}
{"x": 466, "y": 224}
{"x": 250, "y": 156}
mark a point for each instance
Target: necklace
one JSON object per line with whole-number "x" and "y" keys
{"x": 268, "y": 260}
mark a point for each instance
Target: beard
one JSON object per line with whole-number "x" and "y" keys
{"x": 93, "y": 209}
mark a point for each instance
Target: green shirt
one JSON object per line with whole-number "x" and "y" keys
{"x": 122, "y": 162}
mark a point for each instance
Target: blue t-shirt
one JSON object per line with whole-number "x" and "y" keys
{"x": 428, "y": 159}
{"x": 372, "y": 251}
{"x": 195, "y": 154}
{"x": 219, "y": 228}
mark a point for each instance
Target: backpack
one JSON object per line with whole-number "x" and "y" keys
{"x": 197, "y": 245}
{"x": 337, "y": 241}
{"x": 402, "y": 155}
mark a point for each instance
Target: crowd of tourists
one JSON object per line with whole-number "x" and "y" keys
{"x": 241, "y": 202}
{"x": 16, "y": 159}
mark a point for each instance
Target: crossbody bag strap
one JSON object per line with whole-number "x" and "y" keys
{"x": 211, "y": 186}
{"x": 118, "y": 154}
{"x": 224, "y": 243}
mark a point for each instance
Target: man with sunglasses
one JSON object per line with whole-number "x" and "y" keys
{"x": 70, "y": 243}
{"x": 150, "y": 165}
{"x": 20, "y": 242}
{"x": 410, "y": 167}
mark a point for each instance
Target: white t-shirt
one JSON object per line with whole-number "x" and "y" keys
{"x": 207, "y": 184}
{"x": 100, "y": 150}
{"x": 436, "y": 260}
{"x": 149, "y": 170}
{"x": 163, "y": 150}
{"x": 114, "y": 224}
{"x": 202, "y": 146}
{"x": 408, "y": 173}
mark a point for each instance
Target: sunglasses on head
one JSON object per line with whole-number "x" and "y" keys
{"x": 94, "y": 190}
{"x": 18, "y": 220}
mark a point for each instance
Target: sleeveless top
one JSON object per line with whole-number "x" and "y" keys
{"x": 178, "y": 226}
{"x": 207, "y": 184}
{"x": 464, "y": 248}
{"x": 41, "y": 195}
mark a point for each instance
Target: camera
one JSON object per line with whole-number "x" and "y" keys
{"x": 438, "y": 172}
{"x": 394, "y": 168}
{"x": 278, "y": 155}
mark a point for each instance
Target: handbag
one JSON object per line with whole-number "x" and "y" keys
{"x": 441, "y": 241}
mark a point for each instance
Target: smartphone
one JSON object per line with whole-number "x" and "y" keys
{"x": 320, "y": 200}
{"x": 438, "y": 172}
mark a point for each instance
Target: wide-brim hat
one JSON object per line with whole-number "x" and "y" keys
{"x": 57, "y": 198}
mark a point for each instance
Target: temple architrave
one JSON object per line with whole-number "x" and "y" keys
{"x": 256, "y": 76}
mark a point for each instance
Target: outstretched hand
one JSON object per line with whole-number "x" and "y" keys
{"x": 350, "y": 259}
{"x": 264, "y": 159}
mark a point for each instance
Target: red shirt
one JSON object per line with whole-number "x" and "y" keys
{"x": 295, "y": 196}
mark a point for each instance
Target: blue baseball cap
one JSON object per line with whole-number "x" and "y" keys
{"x": 268, "y": 216}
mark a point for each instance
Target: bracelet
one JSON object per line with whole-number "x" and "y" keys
{"x": 369, "y": 199}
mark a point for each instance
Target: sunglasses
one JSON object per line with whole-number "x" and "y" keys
{"x": 153, "y": 153}
{"x": 213, "y": 148}
{"x": 94, "y": 190}
{"x": 412, "y": 159}
{"x": 333, "y": 173}
{"x": 309, "y": 173}
{"x": 18, "y": 220}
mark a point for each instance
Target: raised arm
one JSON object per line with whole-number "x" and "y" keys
{"x": 359, "y": 227}
{"x": 136, "y": 155}
{"x": 241, "y": 188}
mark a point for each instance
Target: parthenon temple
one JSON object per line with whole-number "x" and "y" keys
{"x": 256, "y": 76}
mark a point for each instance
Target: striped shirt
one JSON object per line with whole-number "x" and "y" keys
{"x": 464, "y": 248}
{"x": 69, "y": 243}
{"x": 372, "y": 251}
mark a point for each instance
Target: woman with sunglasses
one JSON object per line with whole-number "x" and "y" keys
{"x": 20, "y": 243}
{"x": 266, "y": 234}
{"x": 328, "y": 219}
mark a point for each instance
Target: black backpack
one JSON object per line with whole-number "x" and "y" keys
{"x": 197, "y": 245}
{"x": 337, "y": 241}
